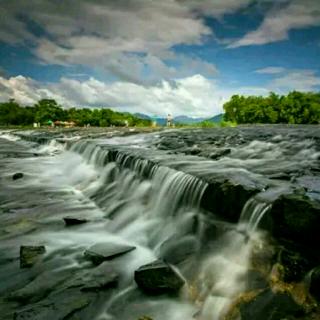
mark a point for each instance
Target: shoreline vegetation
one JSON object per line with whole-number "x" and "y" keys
{"x": 294, "y": 108}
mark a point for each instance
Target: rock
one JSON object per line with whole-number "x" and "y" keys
{"x": 29, "y": 255}
{"x": 295, "y": 267}
{"x": 227, "y": 193}
{"x": 176, "y": 250}
{"x": 73, "y": 221}
{"x": 219, "y": 154}
{"x": 270, "y": 306}
{"x": 100, "y": 278}
{"x": 58, "y": 307}
{"x": 255, "y": 280}
{"x": 39, "y": 287}
{"x": 101, "y": 252}
{"x": 315, "y": 283}
{"x": 158, "y": 278}
{"x": 296, "y": 217}
{"x": 18, "y": 175}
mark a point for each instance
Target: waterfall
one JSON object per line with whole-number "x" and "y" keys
{"x": 252, "y": 214}
{"x": 223, "y": 274}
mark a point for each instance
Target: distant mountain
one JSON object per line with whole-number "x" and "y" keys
{"x": 180, "y": 119}
{"x": 187, "y": 120}
{"x": 216, "y": 119}
{"x": 142, "y": 116}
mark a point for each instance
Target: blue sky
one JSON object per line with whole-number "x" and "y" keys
{"x": 157, "y": 57}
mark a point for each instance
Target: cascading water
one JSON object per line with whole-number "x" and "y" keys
{"x": 130, "y": 200}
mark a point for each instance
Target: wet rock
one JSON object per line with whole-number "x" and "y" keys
{"x": 40, "y": 287}
{"x": 296, "y": 217}
{"x": 255, "y": 280}
{"x": 158, "y": 278}
{"x": 18, "y": 175}
{"x": 219, "y": 154}
{"x": 73, "y": 221}
{"x": 176, "y": 250}
{"x": 29, "y": 255}
{"x": 57, "y": 307}
{"x": 227, "y": 194}
{"x": 101, "y": 252}
{"x": 270, "y": 306}
{"x": 315, "y": 283}
{"x": 295, "y": 266}
{"x": 192, "y": 151}
{"x": 100, "y": 278}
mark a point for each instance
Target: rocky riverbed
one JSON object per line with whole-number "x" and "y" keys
{"x": 132, "y": 224}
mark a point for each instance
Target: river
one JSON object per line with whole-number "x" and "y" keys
{"x": 197, "y": 200}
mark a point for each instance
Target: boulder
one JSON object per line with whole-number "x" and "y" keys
{"x": 178, "y": 249}
{"x": 295, "y": 266}
{"x": 228, "y": 192}
{"x": 29, "y": 255}
{"x": 158, "y": 278}
{"x": 315, "y": 283}
{"x": 18, "y": 175}
{"x": 296, "y": 217}
{"x": 73, "y": 221}
{"x": 101, "y": 252}
{"x": 270, "y": 306}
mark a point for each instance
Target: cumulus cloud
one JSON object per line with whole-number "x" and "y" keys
{"x": 194, "y": 96}
{"x": 278, "y": 22}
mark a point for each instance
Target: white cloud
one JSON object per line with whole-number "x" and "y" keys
{"x": 279, "y": 21}
{"x": 130, "y": 39}
{"x": 271, "y": 70}
{"x": 301, "y": 80}
{"x": 194, "y": 96}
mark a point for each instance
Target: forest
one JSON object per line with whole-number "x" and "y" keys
{"x": 294, "y": 108}
{"x": 48, "y": 110}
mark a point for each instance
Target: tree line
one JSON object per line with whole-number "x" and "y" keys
{"x": 294, "y": 108}
{"x": 48, "y": 110}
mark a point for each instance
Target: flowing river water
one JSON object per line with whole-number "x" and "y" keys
{"x": 131, "y": 193}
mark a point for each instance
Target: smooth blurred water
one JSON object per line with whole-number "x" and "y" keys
{"x": 132, "y": 200}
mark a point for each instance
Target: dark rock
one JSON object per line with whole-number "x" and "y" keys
{"x": 58, "y": 307}
{"x": 315, "y": 283}
{"x": 18, "y": 175}
{"x": 101, "y": 252}
{"x": 219, "y": 154}
{"x": 255, "y": 280}
{"x": 29, "y": 255}
{"x": 226, "y": 196}
{"x": 158, "y": 278}
{"x": 102, "y": 277}
{"x": 270, "y": 306}
{"x": 296, "y": 217}
{"x": 73, "y": 221}
{"x": 39, "y": 287}
{"x": 176, "y": 250}
{"x": 295, "y": 266}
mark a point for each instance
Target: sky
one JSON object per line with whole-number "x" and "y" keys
{"x": 183, "y": 57}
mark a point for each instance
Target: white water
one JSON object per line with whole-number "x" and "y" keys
{"x": 126, "y": 208}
